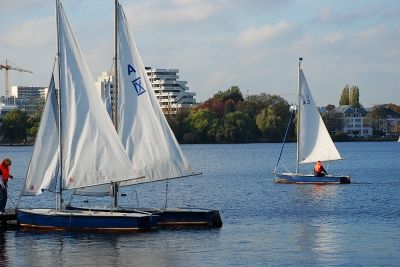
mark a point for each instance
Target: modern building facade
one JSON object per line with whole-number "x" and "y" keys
{"x": 29, "y": 92}
{"x": 28, "y": 104}
{"x": 171, "y": 93}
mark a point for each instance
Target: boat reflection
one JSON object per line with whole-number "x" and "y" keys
{"x": 95, "y": 248}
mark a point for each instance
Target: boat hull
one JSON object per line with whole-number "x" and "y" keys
{"x": 88, "y": 220}
{"x": 291, "y": 178}
{"x": 172, "y": 217}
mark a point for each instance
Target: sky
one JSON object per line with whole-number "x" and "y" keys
{"x": 216, "y": 44}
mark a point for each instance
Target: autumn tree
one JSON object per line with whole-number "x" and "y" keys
{"x": 354, "y": 97}
{"x": 214, "y": 105}
{"x": 344, "y": 98}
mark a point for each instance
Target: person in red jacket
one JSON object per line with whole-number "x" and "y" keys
{"x": 319, "y": 170}
{"x": 5, "y": 174}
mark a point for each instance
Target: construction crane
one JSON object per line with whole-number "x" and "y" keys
{"x": 8, "y": 67}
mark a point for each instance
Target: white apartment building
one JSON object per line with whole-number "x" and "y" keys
{"x": 29, "y": 92}
{"x": 28, "y": 104}
{"x": 171, "y": 93}
{"x": 354, "y": 118}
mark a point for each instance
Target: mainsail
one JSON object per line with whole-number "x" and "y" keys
{"x": 43, "y": 170}
{"x": 143, "y": 129}
{"x": 315, "y": 142}
{"x": 92, "y": 153}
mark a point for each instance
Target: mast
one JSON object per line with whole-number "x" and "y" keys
{"x": 115, "y": 68}
{"x": 115, "y": 185}
{"x": 298, "y": 119}
{"x": 59, "y": 99}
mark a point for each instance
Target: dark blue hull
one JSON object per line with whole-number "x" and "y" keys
{"x": 291, "y": 178}
{"x": 173, "y": 217}
{"x": 90, "y": 220}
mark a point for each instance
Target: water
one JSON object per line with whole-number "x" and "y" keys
{"x": 264, "y": 223}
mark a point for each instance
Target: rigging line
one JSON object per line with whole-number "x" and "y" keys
{"x": 284, "y": 139}
{"x": 8, "y": 195}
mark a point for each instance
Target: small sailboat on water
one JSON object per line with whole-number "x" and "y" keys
{"x": 313, "y": 141}
{"x": 77, "y": 146}
{"x": 148, "y": 140}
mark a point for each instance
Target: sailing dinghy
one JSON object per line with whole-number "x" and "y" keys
{"x": 313, "y": 141}
{"x": 146, "y": 135}
{"x": 77, "y": 145}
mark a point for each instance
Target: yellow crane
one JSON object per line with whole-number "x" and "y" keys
{"x": 8, "y": 67}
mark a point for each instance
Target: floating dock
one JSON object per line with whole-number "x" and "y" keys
{"x": 8, "y": 216}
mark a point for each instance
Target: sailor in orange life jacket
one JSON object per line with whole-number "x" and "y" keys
{"x": 5, "y": 174}
{"x": 319, "y": 170}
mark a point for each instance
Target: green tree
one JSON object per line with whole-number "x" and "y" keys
{"x": 334, "y": 121}
{"x": 34, "y": 122}
{"x": 232, "y": 93}
{"x": 354, "y": 97}
{"x": 229, "y": 107}
{"x": 237, "y": 127}
{"x": 344, "y": 98}
{"x": 255, "y": 104}
{"x": 271, "y": 125}
{"x": 203, "y": 123}
{"x": 15, "y": 125}
{"x": 372, "y": 119}
{"x": 176, "y": 122}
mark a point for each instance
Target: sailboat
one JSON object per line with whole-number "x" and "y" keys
{"x": 145, "y": 133}
{"x": 77, "y": 146}
{"x": 313, "y": 141}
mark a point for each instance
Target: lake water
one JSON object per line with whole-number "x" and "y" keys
{"x": 264, "y": 223}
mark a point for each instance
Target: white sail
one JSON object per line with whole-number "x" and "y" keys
{"x": 43, "y": 170}
{"x": 143, "y": 129}
{"x": 315, "y": 142}
{"x": 92, "y": 153}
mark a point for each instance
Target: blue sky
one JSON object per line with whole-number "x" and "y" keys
{"x": 215, "y": 44}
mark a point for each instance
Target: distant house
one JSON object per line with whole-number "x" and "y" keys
{"x": 354, "y": 120}
{"x": 390, "y": 124}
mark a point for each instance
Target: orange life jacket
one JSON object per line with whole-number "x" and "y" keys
{"x": 318, "y": 167}
{"x": 5, "y": 172}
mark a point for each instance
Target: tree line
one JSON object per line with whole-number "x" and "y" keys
{"x": 227, "y": 117}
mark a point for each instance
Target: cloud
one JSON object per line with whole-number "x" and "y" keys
{"x": 373, "y": 32}
{"x": 220, "y": 77}
{"x": 32, "y": 33}
{"x": 332, "y": 38}
{"x": 10, "y": 6}
{"x": 168, "y": 13}
{"x": 329, "y": 15}
{"x": 252, "y": 37}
